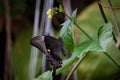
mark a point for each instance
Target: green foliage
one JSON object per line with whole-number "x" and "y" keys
{"x": 99, "y": 45}
{"x": 105, "y": 35}
{"x": 104, "y": 38}
{"x": 67, "y": 33}
{"x": 45, "y": 76}
{"x": 86, "y": 46}
{"x": 89, "y": 45}
{"x": 90, "y": 20}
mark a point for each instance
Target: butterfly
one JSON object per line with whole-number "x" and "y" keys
{"x": 52, "y": 48}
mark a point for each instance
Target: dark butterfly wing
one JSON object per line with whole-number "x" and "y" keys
{"x": 53, "y": 43}
{"x": 57, "y": 57}
{"x": 52, "y": 47}
{"x": 38, "y": 42}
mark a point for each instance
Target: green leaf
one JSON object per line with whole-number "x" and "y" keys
{"x": 105, "y": 35}
{"x": 45, "y": 76}
{"x": 86, "y": 46}
{"x": 104, "y": 38}
{"x": 66, "y": 33}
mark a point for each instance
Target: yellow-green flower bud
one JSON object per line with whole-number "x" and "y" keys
{"x": 50, "y": 16}
{"x": 50, "y": 12}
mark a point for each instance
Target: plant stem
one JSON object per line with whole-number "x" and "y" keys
{"x": 79, "y": 27}
{"x": 112, "y": 60}
{"x": 83, "y": 31}
{"x": 102, "y": 11}
{"x": 114, "y": 17}
{"x": 104, "y": 17}
{"x": 76, "y": 65}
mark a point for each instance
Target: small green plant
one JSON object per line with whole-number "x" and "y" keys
{"x": 80, "y": 51}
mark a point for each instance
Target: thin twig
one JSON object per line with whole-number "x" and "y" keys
{"x": 104, "y": 17}
{"x": 76, "y": 65}
{"x": 115, "y": 18}
{"x": 79, "y": 27}
{"x": 115, "y": 40}
{"x": 112, "y": 60}
{"x": 102, "y": 12}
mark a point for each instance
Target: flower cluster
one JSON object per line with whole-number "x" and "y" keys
{"x": 52, "y": 11}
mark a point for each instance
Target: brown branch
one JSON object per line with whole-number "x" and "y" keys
{"x": 114, "y": 18}
{"x": 102, "y": 11}
{"x": 104, "y": 17}
{"x": 116, "y": 22}
{"x": 8, "y": 69}
{"x": 76, "y": 65}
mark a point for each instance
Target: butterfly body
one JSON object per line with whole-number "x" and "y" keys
{"x": 51, "y": 47}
